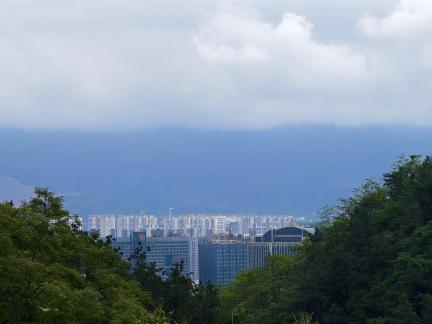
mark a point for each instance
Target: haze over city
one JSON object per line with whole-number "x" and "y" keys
{"x": 224, "y": 161}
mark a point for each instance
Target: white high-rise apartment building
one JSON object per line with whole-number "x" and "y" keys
{"x": 218, "y": 224}
{"x": 105, "y": 224}
{"x": 190, "y": 225}
{"x": 121, "y": 226}
{"x": 194, "y": 259}
{"x": 201, "y": 225}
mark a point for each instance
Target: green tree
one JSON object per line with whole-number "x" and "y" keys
{"x": 53, "y": 272}
{"x": 183, "y": 300}
{"x": 370, "y": 260}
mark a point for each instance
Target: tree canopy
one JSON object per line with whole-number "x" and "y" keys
{"x": 370, "y": 260}
{"x": 52, "y": 272}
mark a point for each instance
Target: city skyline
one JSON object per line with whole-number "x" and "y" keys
{"x": 200, "y": 225}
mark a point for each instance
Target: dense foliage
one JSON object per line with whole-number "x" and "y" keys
{"x": 53, "y": 272}
{"x": 177, "y": 295}
{"x": 369, "y": 262}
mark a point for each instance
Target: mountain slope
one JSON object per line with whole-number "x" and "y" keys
{"x": 291, "y": 170}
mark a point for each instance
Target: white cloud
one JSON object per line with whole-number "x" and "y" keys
{"x": 405, "y": 35}
{"x": 409, "y": 20}
{"x": 289, "y": 45}
{"x": 236, "y": 63}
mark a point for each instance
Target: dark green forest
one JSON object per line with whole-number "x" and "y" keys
{"x": 370, "y": 261}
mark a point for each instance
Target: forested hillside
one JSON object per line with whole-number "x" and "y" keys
{"x": 369, "y": 262}
{"x": 53, "y": 272}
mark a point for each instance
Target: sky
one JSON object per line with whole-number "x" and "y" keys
{"x": 133, "y": 64}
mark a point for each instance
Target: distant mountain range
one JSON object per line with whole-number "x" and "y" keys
{"x": 12, "y": 189}
{"x": 293, "y": 170}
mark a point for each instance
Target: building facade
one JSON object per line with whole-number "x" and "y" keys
{"x": 104, "y": 224}
{"x": 122, "y": 226}
{"x": 220, "y": 261}
{"x": 123, "y": 247}
{"x": 165, "y": 252}
{"x": 273, "y": 242}
{"x": 208, "y": 224}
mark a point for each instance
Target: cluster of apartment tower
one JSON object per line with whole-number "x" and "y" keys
{"x": 213, "y": 248}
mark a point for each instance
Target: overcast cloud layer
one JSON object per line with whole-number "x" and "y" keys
{"x": 125, "y": 64}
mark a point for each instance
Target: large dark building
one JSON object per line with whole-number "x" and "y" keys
{"x": 275, "y": 241}
{"x": 164, "y": 252}
{"x": 220, "y": 260}
{"x": 123, "y": 247}
{"x": 137, "y": 241}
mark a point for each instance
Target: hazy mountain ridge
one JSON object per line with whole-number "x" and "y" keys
{"x": 12, "y": 189}
{"x": 291, "y": 170}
